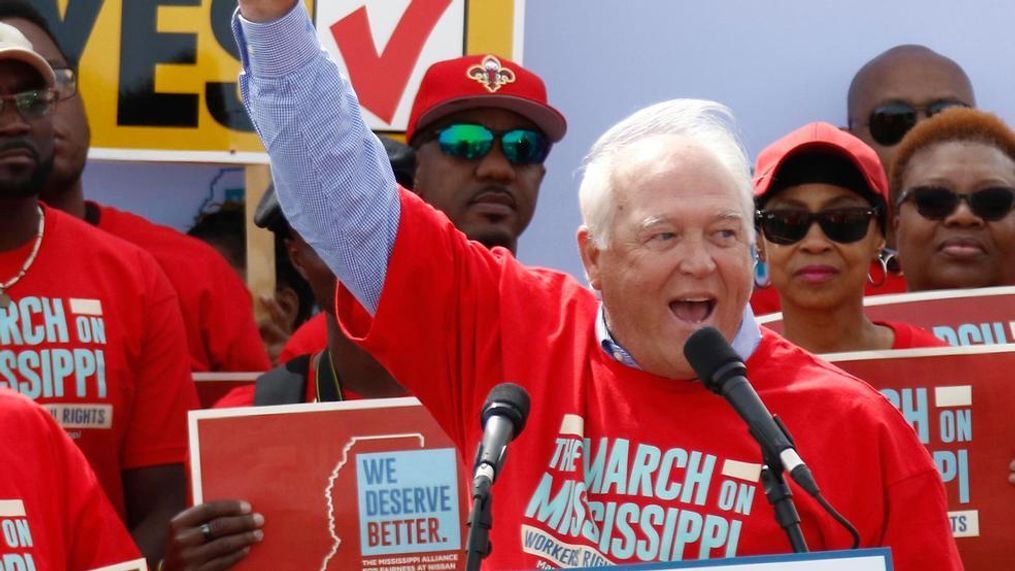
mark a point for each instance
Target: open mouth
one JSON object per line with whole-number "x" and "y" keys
{"x": 693, "y": 310}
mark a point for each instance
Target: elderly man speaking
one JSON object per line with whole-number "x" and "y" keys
{"x": 626, "y": 457}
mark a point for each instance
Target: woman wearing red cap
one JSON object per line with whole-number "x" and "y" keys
{"x": 821, "y": 195}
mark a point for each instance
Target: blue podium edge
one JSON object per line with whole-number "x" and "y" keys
{"x": 883, "y": 552}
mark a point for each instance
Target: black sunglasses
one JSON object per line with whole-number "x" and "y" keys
{"x": 789, "y": 226}
{"x": 470, "y": 141}
{"x": 938, "y": 203}
{"x": 890, "y": 122}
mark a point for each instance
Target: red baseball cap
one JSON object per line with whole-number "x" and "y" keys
{"x": 828, "y": 138}
{"x": 478, "y": 81}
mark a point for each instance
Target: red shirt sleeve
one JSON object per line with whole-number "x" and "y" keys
{"x": 157, "y": 433}
{"x": 915, "y": 524}
{"x": 765, "y": 300}
{"x": 240, "y": 396}
{"x": 450, "y": 321}
{"x": 909, "y": 336}
{"x": 58, "y": 497}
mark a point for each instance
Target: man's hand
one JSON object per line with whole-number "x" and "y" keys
{"x": 265, "y": 10}
{"x": 212, "y": 536}
{"x": 1011, "y": 477}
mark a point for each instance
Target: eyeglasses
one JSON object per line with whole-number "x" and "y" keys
{"x": 789, "y": 226}
{"x": 890, "y": 122}
{"x": 938, "y": 203}
{"x": 468, "y": 141}
{"x": 30, "y": 104}
{"x": 66, "y": 82}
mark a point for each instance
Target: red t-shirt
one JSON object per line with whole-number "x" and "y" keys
{"x": 766, "y": 300}
{"x": 310, "y": 338}
{"x": 216, "y": 306}
{"x": 619, "y": 465}
{"x": 94, "y": 334}
{"x": 244, "y": 395}
{"x": 909, "y": 336}
{"x": 52, "y": 509}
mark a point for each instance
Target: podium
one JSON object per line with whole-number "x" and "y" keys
{"x": 879, "y": 559}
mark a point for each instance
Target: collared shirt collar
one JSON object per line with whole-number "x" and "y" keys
{"x": 744, "y": 342}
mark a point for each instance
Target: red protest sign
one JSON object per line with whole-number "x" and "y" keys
{"x": 369, "y": 484}
{"x": 984, "y": 316}
{"x": 959, "y": 401}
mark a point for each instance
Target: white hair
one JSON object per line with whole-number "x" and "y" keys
{"x": 707, "y": 123}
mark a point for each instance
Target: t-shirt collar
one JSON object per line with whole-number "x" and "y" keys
{"x": 744, "y": 342}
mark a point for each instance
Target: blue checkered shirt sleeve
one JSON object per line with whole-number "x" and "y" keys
{"x": 332, "y": 176}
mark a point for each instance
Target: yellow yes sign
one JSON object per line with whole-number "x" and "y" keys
{"x": 159, "y": 76}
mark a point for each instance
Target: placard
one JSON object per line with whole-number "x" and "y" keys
{"x": 159, "y": 78}
{"x": 959, "y": 400}
{"x": 879, "y": 559}
{"x": 371, "y": 484}
{"x": 984, "y": 316}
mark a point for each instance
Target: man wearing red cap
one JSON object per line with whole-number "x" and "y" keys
{"x": 482, "y": 128}
{"x": 488, "y": 189}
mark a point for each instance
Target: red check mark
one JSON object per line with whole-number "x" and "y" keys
{"x": 380, "y": 79}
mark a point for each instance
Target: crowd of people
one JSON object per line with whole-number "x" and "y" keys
{"x": 103, "y": 319}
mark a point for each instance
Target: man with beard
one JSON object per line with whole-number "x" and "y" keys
{"x": 324, "y": 365}
{"x": 217, "y": 308}
{"x": 481, "y": 127}
{"x": 89, "y": 324}
{"x": 487, "y": 190}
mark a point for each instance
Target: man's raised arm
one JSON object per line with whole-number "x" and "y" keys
{"x": 332, "y": 175}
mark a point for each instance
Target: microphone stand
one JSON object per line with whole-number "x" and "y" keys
{"x": 478, "y": 546}
{"x": 779, "y": 494}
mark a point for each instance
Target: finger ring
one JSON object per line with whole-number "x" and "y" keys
{"x": 206, "y": 532}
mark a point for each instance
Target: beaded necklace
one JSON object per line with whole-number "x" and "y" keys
{"x": 5, "y": 298}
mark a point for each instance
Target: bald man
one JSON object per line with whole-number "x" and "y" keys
{"x": 900, "y": 87}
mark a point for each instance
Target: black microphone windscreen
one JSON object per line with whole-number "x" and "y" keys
{"x": 707, "y": 351}
{"x": 510, "y": 401}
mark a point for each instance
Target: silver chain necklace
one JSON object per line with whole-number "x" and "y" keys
{"x": 5, "y": 300}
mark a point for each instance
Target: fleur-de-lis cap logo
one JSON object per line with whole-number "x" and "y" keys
{"x": 491, "y": 74}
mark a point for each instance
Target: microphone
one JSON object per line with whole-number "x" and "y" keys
{"x": 503, "y": 418}
{"x": 722, "y": 371}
